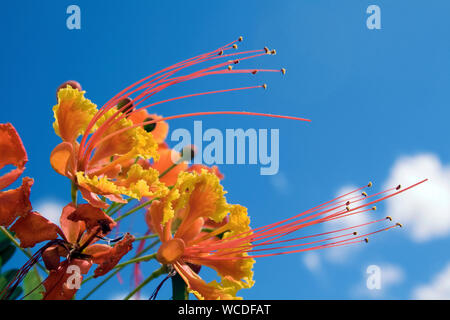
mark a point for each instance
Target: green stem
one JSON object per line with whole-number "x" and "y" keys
{"x": 170, "y": 168}
{"x": 134, "y": 210}
{"x": 74, "y": 193}
{"x": 14, "y": 241}
{"x": 179, "y": 288}
{"x": 150, "y": 236}
{"x": 116, "y": 209}
{"x": 154, "y": 275}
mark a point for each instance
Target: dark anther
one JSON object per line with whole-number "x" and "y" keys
{"x": 104, "y": 225}
{"x": 125, "y": 102}
{"x": 151, "y": 126}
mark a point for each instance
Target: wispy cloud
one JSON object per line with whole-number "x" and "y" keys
{"x": 312, "y": 262}
{"x": 437, "y": 289}
{"x": 280, "y": 182}
{"x": 51, "y": 209}
{"x": 425, "y": 210}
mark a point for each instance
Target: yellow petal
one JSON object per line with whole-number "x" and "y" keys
{"x": 129, "y": 144}
{"x": 207, "y": 291}
{"x": 202, "y": 196}
{"x": 72, "y": 113}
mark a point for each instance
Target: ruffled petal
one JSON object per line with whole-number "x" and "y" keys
{"x": 202, "y": 196}
{"x": 109, "y": 260}
{"x": 12, "y": 153}
{"x": 129, "y": 144}
{"x": 161, "y": 212}
{"x": 15, "y": 203}
{"x": 161, "y": 128}
{"x": 34, "y": 228}
{"x": 58, "y": 286}
{"x": 93, "y": 217}
{"x": 199, "y": 167}
{"x": 137, "y": 182}
{"x": 140, "y": 182}
{"x": 72, "y": 113}
{"x": 90, "y": 187}
{"x": 206, "y": 291}
{"x": 71, "y": 229}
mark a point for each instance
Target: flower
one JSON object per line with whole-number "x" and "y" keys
{"x": 108, "y": 172}
{"x": 13, "y": 203}
{"x": 192, "y": 202}
{"x": 80, "y": 229}
{"x": 122, "y": 131}
{"x": 197, "y": 227}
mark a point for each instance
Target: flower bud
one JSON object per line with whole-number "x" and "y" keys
{"x": 71, "y": 83}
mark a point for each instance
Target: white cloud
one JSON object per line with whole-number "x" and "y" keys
{"x": 437, "y": 289}
{"x": 391, "y": 275}
{"x": 280, "y": 182}
{"x": 50, "y": 209}
{"x": 424, "y": 210}
{"x": 312, "y": 261}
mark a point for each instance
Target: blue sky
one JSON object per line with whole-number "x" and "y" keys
{"x": 378, "y": 100}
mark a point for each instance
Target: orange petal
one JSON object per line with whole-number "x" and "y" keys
{"x": 110, "y": 260}
{"x": 234, "y": 268}
{"x": 12, "y": 153}
{"x": 98, "y": 252}
{"x": 92, "y": 198}
{"x": 60, "y": 158}
{"x": 15, "y": 203}
{"x": 165, "y": 162}
{"x": 161, "y": 129}
{"x": 154, "y": 218}
{"x": 201, "y": 289}
{"x": 93, "y": 217}
{"x": 34, "y": 228}
{"x": 72, "y": 230}
{"x": 58, "y": 286}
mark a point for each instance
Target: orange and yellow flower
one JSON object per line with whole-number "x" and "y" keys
{"x": 180, "y": 220}
{"x": 197, "y": 227}
{"x": 111, "y": 168}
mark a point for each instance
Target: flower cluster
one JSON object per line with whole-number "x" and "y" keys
{"x": 117, "y": 154}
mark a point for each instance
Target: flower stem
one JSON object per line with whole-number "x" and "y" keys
{"x": 154, "y": 275}
{"x": 179, "y": 289}
{"x": 170, "y": 168}
{"x": 135, "y": 209}
{"x": 150, "y": 236}
{"x": 74, "y": 193}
